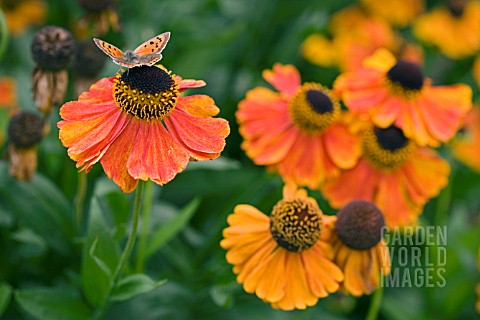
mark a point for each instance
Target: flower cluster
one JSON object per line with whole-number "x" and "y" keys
{"x": 378, "y": 150}
{"x": 367, "y": 143}
{"x": 297, "y": 255}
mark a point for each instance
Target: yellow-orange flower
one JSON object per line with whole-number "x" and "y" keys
{"x": 397, "y": 92}
{"x": 397, "y": 12}
{"x": 139, "y": 127}
{"x": 19, "y": 14}
{"x": 284, "y": 258}
{"x": 360, "y": 251}
{"x": 298, "y": 131}
{"x": 465, "y": 148}
{"x": 394, "y": 173}
{"x": 454, "y": 29}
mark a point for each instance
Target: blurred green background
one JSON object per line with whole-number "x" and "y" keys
{"x": 44, "y": 255}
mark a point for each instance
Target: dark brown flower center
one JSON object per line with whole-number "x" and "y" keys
{"x": 391, "y": 138}
{"x": 296, "y": 224}
{"x": 387, "y": 148}
{"x": 406, "y": 74}
{"x": 53, "y": 48}
{"x": 146, "y": 92}
{"x": 25, "y": 129}
{"x": 359, "y": 225}
{"x": 313, "y": 108}
{"x": 319, "y": 101}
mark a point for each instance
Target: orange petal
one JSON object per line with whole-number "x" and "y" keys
{"x": 393, "y": 201}
{"x": 267, "y": 279}
{"x": 444, "y": 108}
{"x": 114, "y": 161}
{"x": 284, "y": 78}
{"x": 342, "y": 147}
{"x": 198, "y": 105}
{"x": 347, "y": 186}
{"x": 155, "y": 154}
{"x": 185, "y": 84}
{"x": 206, "y": 135}
{"x": 361, "y": 90}
{"x": 354, "y": 282}
{"x": 297, "y": 291}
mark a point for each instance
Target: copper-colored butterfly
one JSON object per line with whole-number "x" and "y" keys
{"x": 148, "y": 53}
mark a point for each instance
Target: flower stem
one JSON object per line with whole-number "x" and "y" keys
{"x": 4, "y": 36}
{"x": 375, "y": 304}
{"x": 144, "y": 232}
{"x": 80, "y": 198}
{"x": 132, "y": 236}
{"x": 126, "y": 251}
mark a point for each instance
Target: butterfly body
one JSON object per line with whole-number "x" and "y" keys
{"x": 148, "y": 53}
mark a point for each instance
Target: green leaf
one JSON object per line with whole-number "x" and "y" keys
{"x": 39, "y": 206}
{"x": 100, "y": 256}
{"x": 5, "y": 295}
{"x": 134, "y": 285}
{"x": 52, "y": 304}
{"x": 169, "y": 230}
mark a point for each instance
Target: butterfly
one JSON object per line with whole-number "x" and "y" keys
{"x": 148, "y": 53}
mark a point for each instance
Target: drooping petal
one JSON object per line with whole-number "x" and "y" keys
{"x": 155, "y": 154}
{"x": 114, "y": 161}
{"x": 265, "y": 280}
{"x": 205, "y": 135}
{"x": 342, "y": 147}
{"x": 266, "y": 126}
{"x": 361, "y": 90}
{"x": 444, "y": 108}
{"x": 284, "y": 78}
{"x": 91, "y": 124}
{"x": 358, "y": 183}
{"x": 297, "y": 292}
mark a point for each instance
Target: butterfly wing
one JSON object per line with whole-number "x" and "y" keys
{"x": 153, "y": 46}
{"x": 109, "y": 49}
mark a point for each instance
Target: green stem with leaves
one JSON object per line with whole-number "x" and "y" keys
{"x": 122, "y": 262}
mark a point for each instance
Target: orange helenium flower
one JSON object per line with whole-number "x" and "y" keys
{"x": 396, "y": 92}
{"x": 285, "y": 263}
{"x": 454, "y": 29}
{"x": 363, "y": 268}
{"x": 299, "y": 131}
{"x": 139, "y": 127}
{"x": 394, "y": 173}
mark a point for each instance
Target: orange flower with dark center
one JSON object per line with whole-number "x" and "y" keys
{"x": 397, "y": 92}
{"x": 284, "y": 258}
{"x": 453, "y": 28}
{"x": 299, "y": 131}
{"x": 360, "y": 251}
{"x": 394, "y": 173}
{"x": 139, "y": 126}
